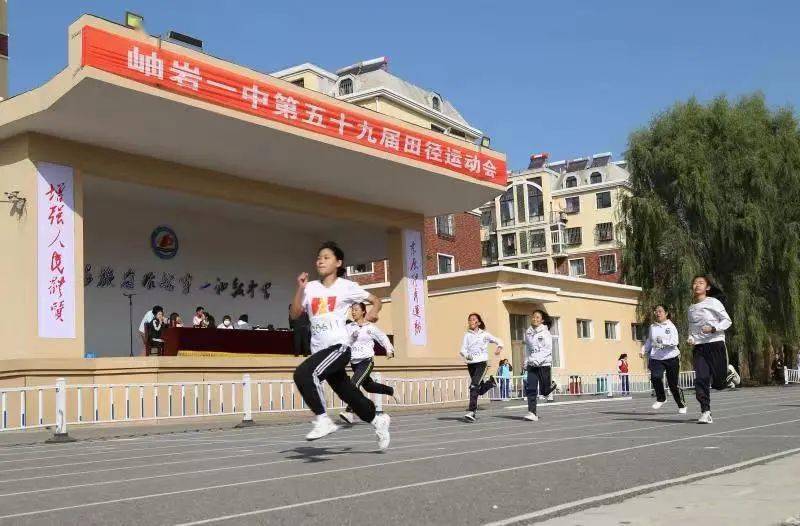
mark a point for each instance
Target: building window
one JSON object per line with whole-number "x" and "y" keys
{"x": 535, "y": 203}
{"x": 571, "y": 182}
{"x": 523, "y": 243}
{"x": 445, "y": 225}
{"x": 539, "y": 265}
{"x": 538, "y": 241}
{"x": 345, "y": 87}
{"x": 638, "y": 332}
{"x": 608, "y": 264}
{"x": 446, "y": 263}
{"x": 604, "y": 200}
{"x": 577, "y": 267}
{"x": 458, "y": 133}
{"x": 438, "y": 129}
{"x": 512, "y": 265}
{"x": 507, "y": 208}
{"x": 361, "y": 268}
{"x": 489, "y": 249}
{"x": 574, "y": 236}
{"x": 525, "y": 265}
{"x": 486, "y": 218}
{"x": 509, "y": 245}
{"x": 436, "y": 103}
{"x": 573, "y": 204}
{"x": 520, "y": 204}
{"x": 555, "y": 332}
{"x": 299, "y": 82}
{"x": 612, "y": 330}
{"x": 595, "y": 178}
{"x": 584, "y": 329}
{"x": 605, "y": 232}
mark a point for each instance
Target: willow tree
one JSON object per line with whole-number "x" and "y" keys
{"x": 716, "y": 190}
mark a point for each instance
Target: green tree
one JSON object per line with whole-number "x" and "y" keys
{"x": 716, "y": 190}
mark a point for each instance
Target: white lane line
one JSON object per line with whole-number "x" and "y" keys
{"x": 641, "y": 489}
{"x": 403, "y": 461}
{"x": 425, "y": 445}
{"x": 463, "y": 477}
{"x": 571, "y": 402}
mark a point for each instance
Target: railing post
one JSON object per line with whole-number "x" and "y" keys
{"x": 247, "y": 402}
{"x": 378, "y": 397}
{"x": 61, "y": 436}
{"x": 609, "y": 386}
{"x": 785, "y": 375}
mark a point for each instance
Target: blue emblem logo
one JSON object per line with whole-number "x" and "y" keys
{"x": 164, "y": 242}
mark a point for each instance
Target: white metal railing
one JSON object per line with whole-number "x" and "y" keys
{"x": 573, "y": 384}
{"x": 62, "y": 405}
{"x": 791, "y": 376}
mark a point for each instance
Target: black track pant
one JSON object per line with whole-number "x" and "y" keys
{"x": 673, "y": 367}
{"x": 330, "y": 365}
{"x": 477, "y": 386}
{"x": 711, "y": 370}
{"x": 362, "y": 379}
{"x": 538, "y": 382}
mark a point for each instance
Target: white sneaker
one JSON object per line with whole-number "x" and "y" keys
{"x": 381, "y": 423}
{"x": 323, "y": 426}
{"x": 705, "y": 418}
{"x": 733, "y": 375}
{"x": 531, "y": 417}
{"x": 470, "y": 416}
{"x": 347, "y": 416}
{"x": 681, "y": 410}
{"x": 657, "y": 405}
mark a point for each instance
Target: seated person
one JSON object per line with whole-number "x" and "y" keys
{"x": 200, "y": 320}
{"x": 226, "y": 322}
{"x": 175, "y": 320}
{"x": 244, "y": 322}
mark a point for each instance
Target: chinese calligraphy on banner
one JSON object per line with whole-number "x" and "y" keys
{"x": 56, "y": 251}
{"x": 295, "y": 107}
{"x": 412, "y": 256}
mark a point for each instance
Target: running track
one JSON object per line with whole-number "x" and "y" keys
{"x": 439, "y": 470}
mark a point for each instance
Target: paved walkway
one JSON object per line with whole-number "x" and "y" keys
{"x": 767, "y": 494}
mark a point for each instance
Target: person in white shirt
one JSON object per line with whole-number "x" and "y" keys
{"x": 538, "y": 362}
{"x": 661, "y": 346}
{"x": 227, "y": 322}
{"x": 144, "y": 326}
{"x": 708, "y": 321}
{"x": 244, "y": 323}
{"x": 363, "y": 336}
{"x": 327, "y": 301}
{"x": 475, "y": 351}
{"x": 200, "y": 321}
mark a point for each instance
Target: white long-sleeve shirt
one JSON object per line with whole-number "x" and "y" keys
{"x": 475, "y": 347}
{"x": 362, "y": 341}
{"x": 710, "y": 312}
{"x": 662, "y": 341}
{"x": 538, "y": 347}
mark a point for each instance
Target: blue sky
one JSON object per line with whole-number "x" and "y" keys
{"x": 569, "y": 78}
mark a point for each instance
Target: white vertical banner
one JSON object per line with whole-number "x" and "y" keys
{"x": 415, "y": 276}
{"x": 55, "y": 218}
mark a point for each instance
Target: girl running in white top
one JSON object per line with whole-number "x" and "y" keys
{"x": 474, "y": 350}
{"x": 661, "y": 346}
{"x": 538, "y": 362}
{"x": 363, "y": 336}
{"x": 327, "y": 301}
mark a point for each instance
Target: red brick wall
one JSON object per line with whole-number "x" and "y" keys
{"x": 464, "y": 246}
{"x": 592, "y": 262}
{"x": 378, "y": 276}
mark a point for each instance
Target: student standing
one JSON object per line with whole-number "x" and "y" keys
{"x": 327, "y": 301}
{"x": 622, "y": 369}
{"x": 708, "y": 321}
{"x": 475, "y": 351}
{"x": 661, "y": 346}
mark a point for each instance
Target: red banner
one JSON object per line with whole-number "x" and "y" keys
{"x": 180, "y": 74}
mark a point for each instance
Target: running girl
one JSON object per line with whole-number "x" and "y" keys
{"x": 662, "y": 347}
{"x": 538, "y": 362}
{"x": 474, "y": 350}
